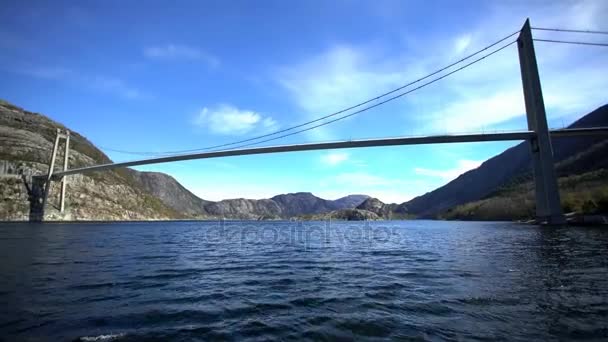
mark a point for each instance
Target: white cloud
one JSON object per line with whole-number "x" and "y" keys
{"x": 334, "y": 158}
{"x": 463, "y": 166}
{"x": 462, "y": 43}
{"x": 229, "y": 120}
{"x": 183, "y": 52}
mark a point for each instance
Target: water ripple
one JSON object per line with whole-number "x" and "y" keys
{"x": 429, "y": 281}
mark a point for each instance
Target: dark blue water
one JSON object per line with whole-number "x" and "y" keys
{"x": 280, "y": 280}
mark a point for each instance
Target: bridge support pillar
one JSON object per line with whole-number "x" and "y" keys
{"x": 64, "y": 179}
{"x": 548, "y": 204}
{"x": 49, "y": 179}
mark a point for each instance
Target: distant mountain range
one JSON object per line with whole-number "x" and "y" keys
{"x": 124, "y": 194}
{"x": 174, "y": 195}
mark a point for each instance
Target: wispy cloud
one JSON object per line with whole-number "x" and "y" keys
{"x": 229, "y": 120}
{"x": 51, "y": 73}
{"x": 472, "y": 113}
{"x": 114, "y": 86}
{"x": 333, "y": 79}
{"x": 462, "y": 43}
{"x": 102, "y": 83}
{"x": 462, "y": 166}
{"x": 334, "y": 158}
{"x": 485, "y": 95}
{"x": 180, "y": 52}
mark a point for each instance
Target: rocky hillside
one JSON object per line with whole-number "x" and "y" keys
{"x": 26, "y": 141}
{"x": 583, "y": 184}
{"x": 510, "y": 167}
{"x": 172, "y": 193}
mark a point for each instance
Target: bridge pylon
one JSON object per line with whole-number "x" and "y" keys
{"x": 548, "y": 204}
{"x": 66, "y": 136}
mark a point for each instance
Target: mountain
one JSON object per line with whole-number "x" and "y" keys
{"x": 172, "y": 193}
{"x": 377, "y": 207}
{"x": 177, "y": 197}
{"x": 510, "y": 167}
{"x": 284, "y": 206}
{"x": 302, "y": 203}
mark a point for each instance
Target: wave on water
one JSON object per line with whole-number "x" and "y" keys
{"x": 108, "y": 337}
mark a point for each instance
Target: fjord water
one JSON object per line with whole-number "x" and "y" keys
{"x": 315, "y": 280}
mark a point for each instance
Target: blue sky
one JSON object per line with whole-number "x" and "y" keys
{"x": 165, "y": 76}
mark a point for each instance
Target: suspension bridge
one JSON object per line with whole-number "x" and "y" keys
{"x": 548, "y": 207}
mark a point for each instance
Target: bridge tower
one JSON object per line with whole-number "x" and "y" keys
{"x": 58, "y": 137}
{"x": 548, "y": 205}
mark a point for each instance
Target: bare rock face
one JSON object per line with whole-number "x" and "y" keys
{"x": 26, "y": 141}
{"x": 383, "y": 210}
{"x": 372, "y": 204}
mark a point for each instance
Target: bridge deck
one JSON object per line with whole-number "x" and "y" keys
{"x": 418, "y": 140}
